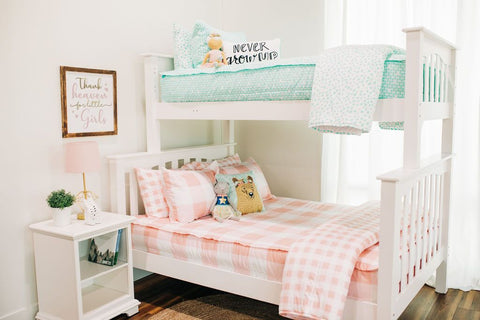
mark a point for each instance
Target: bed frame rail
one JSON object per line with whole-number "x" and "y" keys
{"x": 413, "y": 233}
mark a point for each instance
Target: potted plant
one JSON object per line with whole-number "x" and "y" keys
{"x": 61, "y": 202}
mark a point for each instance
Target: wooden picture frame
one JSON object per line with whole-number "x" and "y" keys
{"x": 89, "y": 102}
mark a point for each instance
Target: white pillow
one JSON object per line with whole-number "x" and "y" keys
{"x": 249, "y": 52}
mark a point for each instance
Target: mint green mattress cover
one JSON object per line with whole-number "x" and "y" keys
{"x": 288, "y": 79}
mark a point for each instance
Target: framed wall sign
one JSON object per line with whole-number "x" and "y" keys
{"x": 89, "y": 102}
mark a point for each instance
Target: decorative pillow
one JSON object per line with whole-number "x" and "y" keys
{"x": 228, "y": 161}
{"x": 199, "y": 46}
{"x": 182, "y": 54}
{"x": 150, "y": 183}
{"x": 249, "y": 52}
{"x": 251, "y": 165}
{"x": 242, "y": 193}
{"x": 189, "y": 194}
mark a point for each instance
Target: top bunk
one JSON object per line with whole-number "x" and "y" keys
{"x": 417, "y": 83}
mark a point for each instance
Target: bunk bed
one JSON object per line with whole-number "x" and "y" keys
{"x": 414, "y": 197}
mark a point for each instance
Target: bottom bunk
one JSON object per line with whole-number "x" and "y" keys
{"x": 415, "y": 201}
{"x": 255, "y": 246}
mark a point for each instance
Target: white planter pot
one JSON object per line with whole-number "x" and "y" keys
{"x": 62, "y": 217}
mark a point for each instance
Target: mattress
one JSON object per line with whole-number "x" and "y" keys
{"x": 264, "y": 256}
{"x": 288, "y": 79}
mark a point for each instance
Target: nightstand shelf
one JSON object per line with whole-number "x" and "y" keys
{"x": 71, "y": 287}
{"x": 90, "y": 270}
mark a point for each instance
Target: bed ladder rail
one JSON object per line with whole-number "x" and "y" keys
{"x": 415, "y": 210}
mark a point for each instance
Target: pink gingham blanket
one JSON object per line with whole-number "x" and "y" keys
{"x": 319, "y": 265}
{"x": 283, "y": 222}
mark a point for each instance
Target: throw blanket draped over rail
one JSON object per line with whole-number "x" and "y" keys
{"x": 346, "y": 88}
{"x": 319, "y": 265}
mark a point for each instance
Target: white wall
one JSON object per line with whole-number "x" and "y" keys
{"x": 288, "y": 152}
{"x": 36, "y": 37}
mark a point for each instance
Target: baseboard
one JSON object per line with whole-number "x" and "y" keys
{"x": 21, "y": 314}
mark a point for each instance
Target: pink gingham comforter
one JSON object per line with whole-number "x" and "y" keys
{"x": 319, "y": 266}
{"x": 283, "y": 222}
{"x": 277, "y": 229}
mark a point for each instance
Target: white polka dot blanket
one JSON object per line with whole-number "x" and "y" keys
{"x": 346, "y": 88}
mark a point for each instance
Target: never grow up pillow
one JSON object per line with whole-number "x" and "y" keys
{"x": 250, "y": 52}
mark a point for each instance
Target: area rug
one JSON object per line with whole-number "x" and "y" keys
{"x": 220, "y": 307}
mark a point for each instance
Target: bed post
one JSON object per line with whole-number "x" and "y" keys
{"x": 228, "y": 134}
{"x": 389, "y": 244}
{"x": 447, "y": 148}
{"x": 413, "y": 89}
{"x": 154, "y": 64}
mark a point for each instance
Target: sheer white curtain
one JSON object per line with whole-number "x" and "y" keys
{"x": 350, "y": 164}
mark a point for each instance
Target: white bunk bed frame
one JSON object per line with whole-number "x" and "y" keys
{"x": 420, "y": 190}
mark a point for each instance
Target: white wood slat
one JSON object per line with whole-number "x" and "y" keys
{"x": 133, "y": 194}
{"x": 413, "y": 231}
{"x": 406, "y": 212}
{"x": 431, "y": 66}
{"x": 420, "y": 214}
{"x": 426, "y": 211}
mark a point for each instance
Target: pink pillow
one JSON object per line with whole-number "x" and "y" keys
{"x": 228, "y": 161}
{"x": 251, "y": 165}
{"x": 189, "y": 193}
{"x": 150, "y": 183}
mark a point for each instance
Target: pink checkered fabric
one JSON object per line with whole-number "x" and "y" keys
{"x": 150, "y": 183}
{"x": 197, "y": 165}
{"x": 251, "y": 165}
{"x": 261, "y": 263}
{"x": 368, "y": 260}
{"x": 149, "y": 234}
{"x": 319, "y": 266}
{"x": 189, "y": 194}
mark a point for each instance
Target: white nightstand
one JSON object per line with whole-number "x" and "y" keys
{"x": 71, "y": 287}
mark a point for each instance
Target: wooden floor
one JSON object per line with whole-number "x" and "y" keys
{"x": 157, "y": 293}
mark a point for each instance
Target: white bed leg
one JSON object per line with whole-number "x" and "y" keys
{"x": 441, "y": 278}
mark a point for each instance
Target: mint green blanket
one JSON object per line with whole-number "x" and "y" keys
{"x": 346, "y": 88}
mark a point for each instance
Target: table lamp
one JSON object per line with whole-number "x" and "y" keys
{"x": 82, "y": 157}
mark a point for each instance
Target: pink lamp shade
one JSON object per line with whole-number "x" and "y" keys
{"x": 82, "y": 157}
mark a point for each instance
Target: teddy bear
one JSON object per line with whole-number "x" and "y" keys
{"x": 215, "y": 57}
{"x": 221, "y": 209}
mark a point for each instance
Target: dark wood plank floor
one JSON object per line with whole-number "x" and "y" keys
{"x": 156, "y": 293}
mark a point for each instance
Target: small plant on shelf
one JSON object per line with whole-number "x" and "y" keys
{"x": 60, "y": 199}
